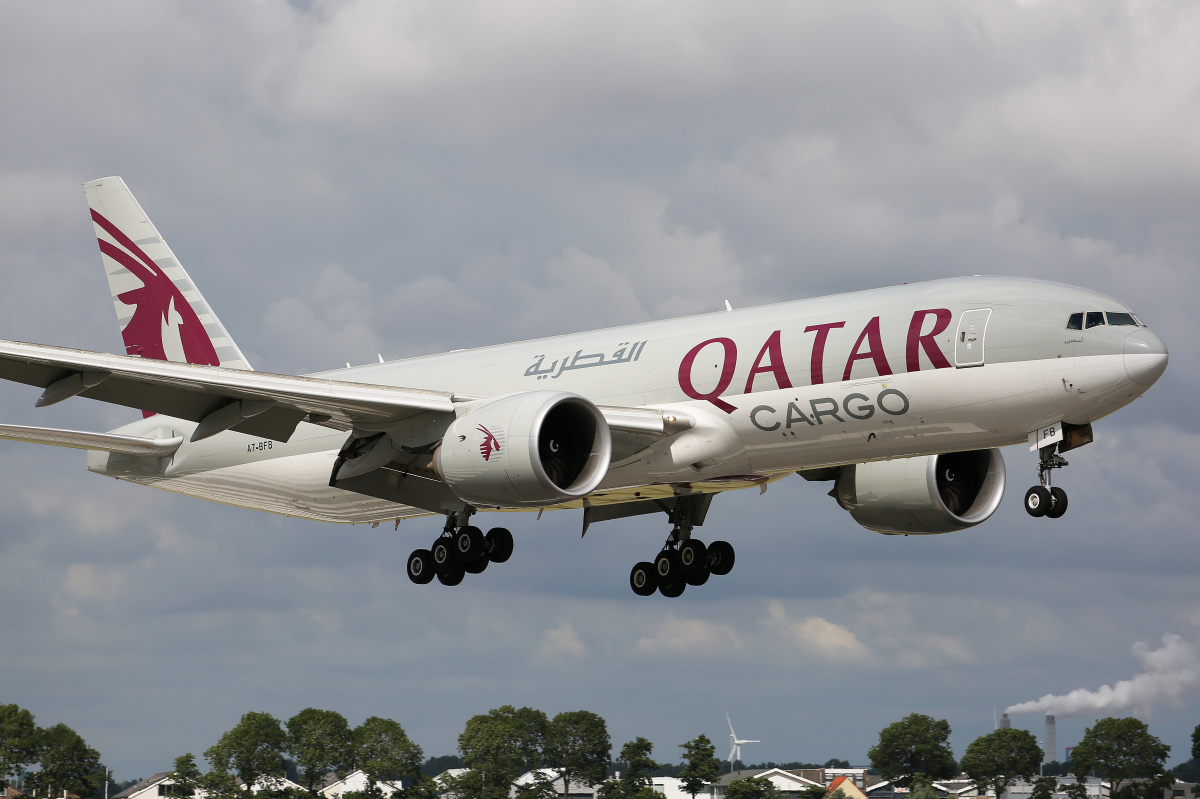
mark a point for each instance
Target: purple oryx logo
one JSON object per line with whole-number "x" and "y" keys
{"x": 490, "y": 443}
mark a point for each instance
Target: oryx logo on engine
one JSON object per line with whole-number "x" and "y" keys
{"x": 490, "y": 443}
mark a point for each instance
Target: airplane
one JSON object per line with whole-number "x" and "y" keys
{"x": 899, "y": 397}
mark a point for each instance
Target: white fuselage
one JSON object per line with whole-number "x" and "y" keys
{"x": 911, "y": 370}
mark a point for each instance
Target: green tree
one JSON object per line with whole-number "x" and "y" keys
{"x": 921, "y": 787}
{"x": 251, "y": 751}
{"x": 385, "y": 753}
{"x": 186, "y": 776}
{"x": 915, "y": 744}
{"x": 752, "y": 788}
{"x": 577, "y": 743}
{"x": 1000, "y": 758}
{"x": 319, "y": 741}
{"x": 815, "y": 792}
{"x": 833, "y": 762}
{"x": 635, "y": 778}
{"x": 1121, "y": 749}
{"x": 1044, "y": 788}
{"x": 497, "y": 747}
{"x": 18, "y": 741}
{"x": 1196, "y": 743}
{"x": 66, "y": 763}
{"x": 702, "y": 766}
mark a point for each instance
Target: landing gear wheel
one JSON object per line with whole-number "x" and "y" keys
{"x": 443, "y": 555}
{"x": 1058, "y": 503}
{"x": 693, "y": 556}
{"x": 1037, "y": 501}
{"x": 672, "y": 590}
{"x": 667, "y": 567}
{"x": 499, "y": 545}
{"x": 420, "y": 566}
{"x": 452, "y": 577}
{"x": 468, "y": 544}
{"x": 643, "y": 580}
{"x": 699, "y": 578}
{"x": 477, "y": 566}
{"x": 720, "y": 558}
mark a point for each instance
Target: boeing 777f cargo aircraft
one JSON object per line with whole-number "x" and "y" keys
{"x": 900, "y": 397}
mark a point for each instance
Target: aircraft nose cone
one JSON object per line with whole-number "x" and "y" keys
{"x": 1145, "y": 357}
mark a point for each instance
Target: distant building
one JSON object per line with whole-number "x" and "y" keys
{"x": 336, "y": 787}
{"x": 155, "y": 785}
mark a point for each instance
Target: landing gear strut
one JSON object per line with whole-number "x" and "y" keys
{"x": 460, "y": 550}
{"x": 1045, "y": 499}
{"x": 683, "y": 560}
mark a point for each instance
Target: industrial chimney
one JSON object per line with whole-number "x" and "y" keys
{"x": 1051, "y": 748}
{"x": 1005, "y": 722}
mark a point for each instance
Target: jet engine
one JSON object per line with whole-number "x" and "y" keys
{"x": 923, "y": 495}
{"x": 526, "y": 450}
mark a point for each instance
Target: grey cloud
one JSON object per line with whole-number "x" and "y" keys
{"x": 482, "y": 173}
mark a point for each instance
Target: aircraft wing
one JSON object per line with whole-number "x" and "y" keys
{"x": 79, "y": 439}
{"x": 256, "y": 403}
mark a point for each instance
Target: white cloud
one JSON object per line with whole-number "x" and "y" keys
{"x": 814, "y": 634}
{"x": 85, "y": 582}
{"x": 562, "y": 641}
{"x": 698, "y": 637}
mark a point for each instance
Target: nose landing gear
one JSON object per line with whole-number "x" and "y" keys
{"x": 1045, "y": 499}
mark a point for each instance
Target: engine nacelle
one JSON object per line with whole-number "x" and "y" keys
{"x": 923, "y": 495}
{"x": 526, "y": 450}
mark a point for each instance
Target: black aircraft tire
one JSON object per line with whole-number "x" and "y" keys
{"x": 452, "y": 577}
{"x": 667, "y": 567}
{"x": 420, "y": 567}
{"x": 693, "y": 556}
{"x": 720, "y": 558}
{"x": 672, "y": 590}
{"x": 696, "y": 578}
{"x": 469, "y": 544}
{"x": 1037, "y": 501}
{"x": 444, "y": 558}
{"x": 1058, "y": 503}
{"x": 643, "y": 580}
{"x": 477, "y": 566}
{"x": 499, "y": 544}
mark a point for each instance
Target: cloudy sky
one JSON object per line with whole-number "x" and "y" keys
{"x": 347, "y": 178}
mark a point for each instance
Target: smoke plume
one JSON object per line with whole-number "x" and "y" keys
{"x": 1168, "y": 674}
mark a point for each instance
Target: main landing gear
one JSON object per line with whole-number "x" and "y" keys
{"x": 458, "y": 552}
{"x": 683, "y": 560}
{"x": 1046, "y": 500}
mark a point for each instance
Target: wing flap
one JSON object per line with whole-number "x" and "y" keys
{"x": 79, "y": 439}
{"x": 189, "y": 391}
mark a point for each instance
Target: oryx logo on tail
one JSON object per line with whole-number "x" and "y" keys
{"x": 164, "y": 326}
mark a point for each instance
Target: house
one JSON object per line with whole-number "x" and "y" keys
{"x": 163, "y": 784}
{"x": 845, "y": 784}
{"x": 554, "y": 776}
{"x": 792, "y": 784}
{"x": 336, "y": 787}
{"x": 155, "y": 785}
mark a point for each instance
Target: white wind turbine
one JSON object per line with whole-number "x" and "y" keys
{"x": 735, "y": 753}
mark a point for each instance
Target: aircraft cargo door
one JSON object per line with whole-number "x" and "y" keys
{"x": 968, "y": 344}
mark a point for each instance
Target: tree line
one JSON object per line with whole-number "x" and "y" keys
{"x": 497, "y": 747}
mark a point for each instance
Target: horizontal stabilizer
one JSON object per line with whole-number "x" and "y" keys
{"x": 79, "y": 439}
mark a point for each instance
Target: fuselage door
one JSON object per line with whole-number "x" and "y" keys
{"x": 968, "y": 344}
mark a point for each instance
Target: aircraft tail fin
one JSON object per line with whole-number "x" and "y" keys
{"x": 161, "y": 312}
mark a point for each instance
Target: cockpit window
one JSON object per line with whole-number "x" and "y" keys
{"x": 1120, "y": 318}
{"x": 1075, "y": 322}
{"x": 1094, "y": 319}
